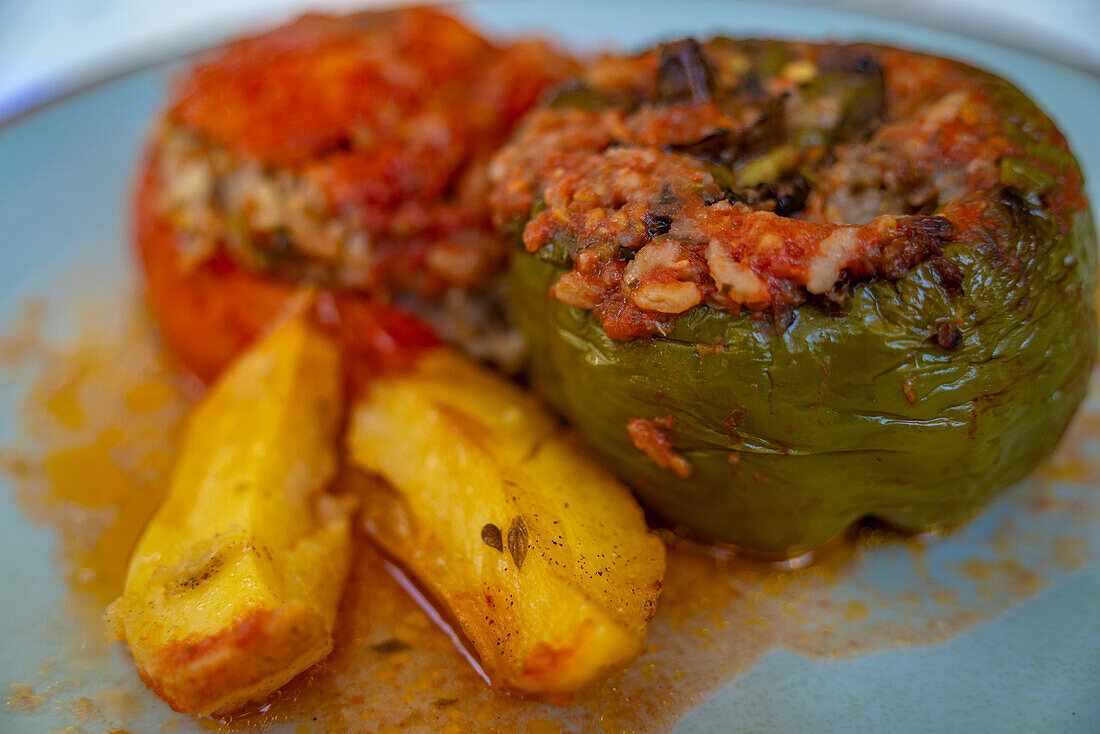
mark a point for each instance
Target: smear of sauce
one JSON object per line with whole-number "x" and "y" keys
{"x": 99, "y": 424}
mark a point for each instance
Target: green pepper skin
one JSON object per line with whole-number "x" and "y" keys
{"x": 793, "y": 434}
{"x": 819, "y": 416}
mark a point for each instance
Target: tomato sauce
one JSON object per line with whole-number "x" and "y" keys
{"x": 394, "y": 666}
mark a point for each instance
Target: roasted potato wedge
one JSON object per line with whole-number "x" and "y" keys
{"x": 233, "y": 588}
{"x": 542, "y": 557}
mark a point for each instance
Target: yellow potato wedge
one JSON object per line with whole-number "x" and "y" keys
{"x": 233, "y": 588}
{"x": 541, "y": 556}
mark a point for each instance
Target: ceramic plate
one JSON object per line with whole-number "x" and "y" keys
{"x": 992, "y": 628}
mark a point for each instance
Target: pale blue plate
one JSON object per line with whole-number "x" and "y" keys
{"x": 1033, "y": 665}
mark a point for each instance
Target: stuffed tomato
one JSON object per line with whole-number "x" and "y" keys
{"x": 342, "y": 153}
{"x": 780, "y": 287}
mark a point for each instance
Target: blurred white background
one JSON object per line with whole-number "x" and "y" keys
{"x": 48, "y": 47}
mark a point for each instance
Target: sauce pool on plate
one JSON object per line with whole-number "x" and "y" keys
{"x": 98, "y": 440}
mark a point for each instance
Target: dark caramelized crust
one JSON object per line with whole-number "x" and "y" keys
{"x": 758, "y": 174}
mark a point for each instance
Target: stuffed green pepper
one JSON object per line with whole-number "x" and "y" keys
{"x": 780, "y": 287}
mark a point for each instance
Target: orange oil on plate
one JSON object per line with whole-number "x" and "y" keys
{"x": 100, "y": 422}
